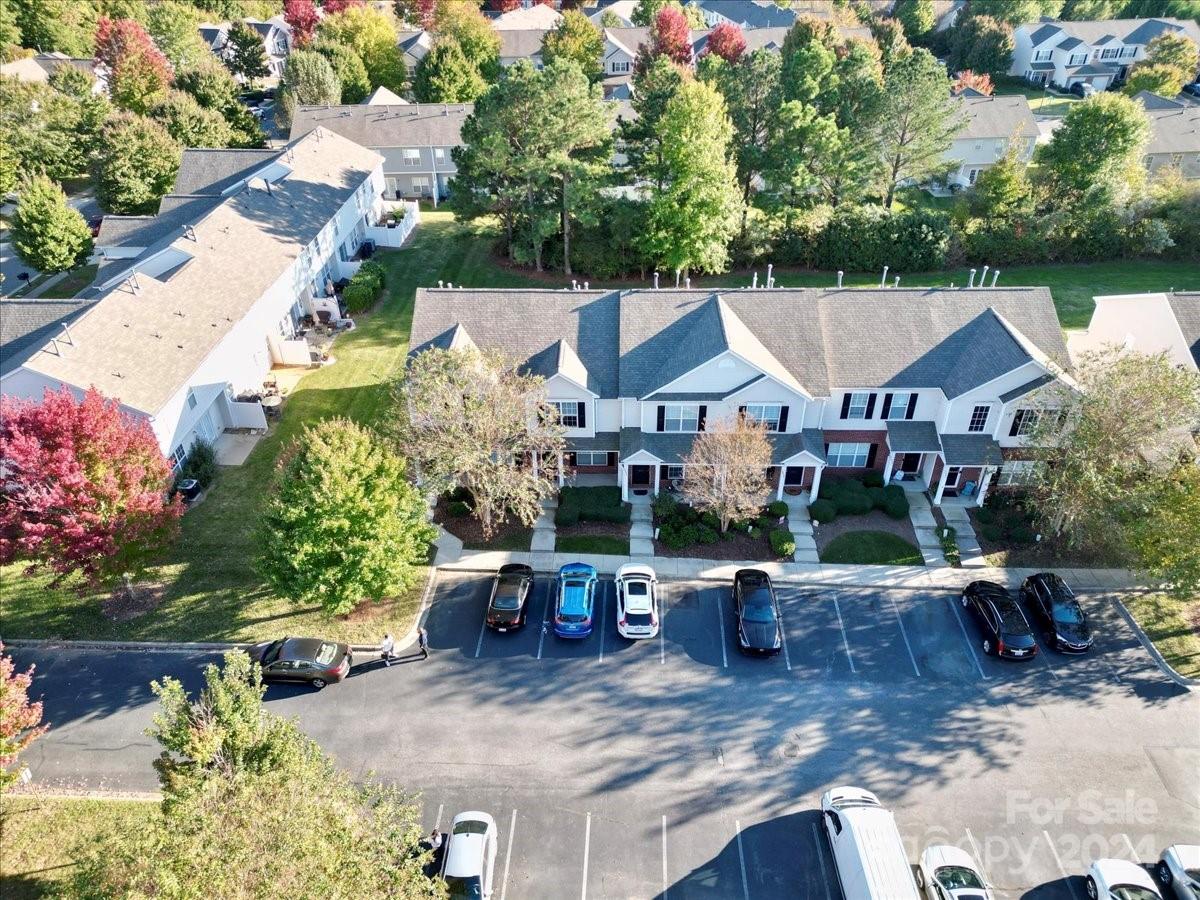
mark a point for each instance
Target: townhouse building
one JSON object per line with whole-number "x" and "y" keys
{"x": 1174, "y": 135}
{"x": 990, "y": 126}
{"x": 934, "y": 388}
{"x": 276, "y": 35}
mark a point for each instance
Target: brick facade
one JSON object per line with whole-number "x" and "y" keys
{"x": 877, "y": 438}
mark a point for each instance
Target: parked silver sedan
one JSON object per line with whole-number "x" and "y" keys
{"x": 1179, "y": 870}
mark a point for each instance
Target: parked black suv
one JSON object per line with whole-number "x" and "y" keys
{"x": 507, "y": 607}
{"x": 310, "y": 660}
{"x": 1054, "y": 607}
{"x": 1006, "y": 632}
{"x": 757, "y": 611}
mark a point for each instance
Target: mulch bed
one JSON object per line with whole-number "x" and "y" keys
{"x": 738, "y": 546}
{"x": 1047, "y": 553}
{"x": 122, "y": 605}
{"x": 468, "y": 530}
{"x": 603, "y": 529}
{"x": 875, "y": 520}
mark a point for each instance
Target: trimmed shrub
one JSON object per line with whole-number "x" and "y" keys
{"x": 671, "y": 537}
{"x": 458, "y": 508}
{"x": 831, "y": 487}
{"x": 765, "y": 522}
{"x": 782, "y": 542}
{"x": 705, "y": 535}
{"x": 822, "y": 511}
{"x": 895, "y": 492}
{"x": 566, "y": 515}
{"x": 1021, "y": 534}
{"x": 664, "y": 506}
{"x": 710, "y": 520}
{"x": 201, "y": 464}
{"x": 878, "y": 497}
{"x": 853, "y": 503}
{"x": 873, "y": 480}
{"x": 985, "y": 515}
{"x": 993, "y": 533}
{"x": 364, "y": 288}
{"x": 896, "y": 507}
{"x": 756, "y": 533}
{"x": 777, "y": 508}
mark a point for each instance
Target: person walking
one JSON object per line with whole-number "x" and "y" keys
{"x": 435, "y": 840}
{"x": 423, "y": 642}
{"x": 386, "y": 648}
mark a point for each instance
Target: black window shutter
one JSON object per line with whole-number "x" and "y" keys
{"x": 741, "y": 410}
{"x": 870, "y": 406}
{"x": 783, "y": 410}
{"x": 871, "y": 456}
{"x": 912, "y": 406}
{"x": 582, "y": 414}
{"x": 662, "y": 415}
{"x": 1016, "y": 425}
{"x": 701, "y": 417}
{"x": 611, "y": 458}
{"x": 845, "y": 406}
{"x": 887, "y": 406}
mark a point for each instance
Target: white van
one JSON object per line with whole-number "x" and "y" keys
{"x": 869, "y": 855}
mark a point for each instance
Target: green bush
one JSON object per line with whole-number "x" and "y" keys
{"x": 706, "y": 535}
{"x": 710, "y": 520}
{"x": 985, "y": 515}
{"x": 201, "y": 464}
{"x": 364, "y": 288}
{"x": 671, "y": 537}
{"x": 878, "y": 497}
{"x": 895, "y": 492}
{"x": 458, "y": 508}
{"x": 1021, "y": 534}
{"x": 896, "y": 507}
{"x": 831, "y": 487}
{"x": 782, "y": 542}
{"x": 664, "y": 506}
{"x": 756, "y": 533}
{"x": 867, "y": 238}
{"x": 566, "y": 515}
{"x": 873, "y": 480}
{"x": 822, "y": 511}
{"x": 993, "y": 533}
{"x": 777, "y": 508}
{"x": 853, "y": 503}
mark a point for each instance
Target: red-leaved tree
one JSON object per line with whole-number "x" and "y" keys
{"x": 139, "y": 74}
{"x": 336, "y": 6}
{"x": 83, "y": 487}
{"x": 303, "y": 17}
{"x": 503, "y": 6}
{"x": 20, "y": 720}
{"x": 727, "y": 42}
{"x": 671, "y": 35}
{"x": 977, "y": 81}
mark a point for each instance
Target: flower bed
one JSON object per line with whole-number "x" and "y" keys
{"x": 1008, "y": 536}
{"x": 454, "y": 514}
{"x": 685, "y": 532}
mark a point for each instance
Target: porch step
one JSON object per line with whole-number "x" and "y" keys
{"x": 956, "y": 516}
{"x": 803, "y": 526}
{"x": 641, "y": 512}
{"x": 550, "y": 502}
{"x": 641, "y": 530}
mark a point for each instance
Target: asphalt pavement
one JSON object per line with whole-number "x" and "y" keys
{"x": 676, "y": 767}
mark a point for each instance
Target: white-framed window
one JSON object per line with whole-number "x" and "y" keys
{"x": 191, "y": 399}
{"x": 979, "y": 418}
{"x": 674, "y": 472}
{"x": 1042, "y": 55}
{"x": 1127, "y": 52}
{"x": 766, "y": 413}
{"x": 439, "y": 154}
{"x": 412, "y": 156}
{"x": 568, "y": 412}
{"x": 848, "y": 455}
{"x": 858, "y": 405}
{"x": 1024, "y": 421}
{"x": 419, "y": 183}
{"x": 899, "y": 408}
{"x": 178, "y": 455}
{"x": 1110, "y": 53}
{"x": 591, "y": 457}
{"x": 681, "y": 417}
{"x": 1017, "y": 471}
{"x": 1077, "y": 59}
{"x": 620, "y": 67}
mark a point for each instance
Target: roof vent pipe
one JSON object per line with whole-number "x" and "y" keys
{"x": 656, "y": 279}
{"x": 971, "y": 283}
{"x": 883, "y": 280}
{"x": 754, "y": 284}
{"x": 897, "y": 282}
{"x": 983, "y": 275}
{"x": 995, "y": 276}
{"x": 840, "y": 274}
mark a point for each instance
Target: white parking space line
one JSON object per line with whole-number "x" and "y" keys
{"x": 742, "y": 860}
{"x": 437, "y": 823}
{"x": 545, "y": 621}
{"x": 904, "y": 634}
{"x": 974, "y": 848}
{"x": 482, "y": 629}
{"x": 1043, "y": 653}
{"x": 1058, "y": 862}
{"x": 512, "y": 831}
{"x": 845, "y": 641}
{"x": 603, "y": 615}
{"x": 721, "y": 631}
{"x": 1132, "y": 852}
{"x": 821, "y": 861}
{"x": 664, "y": 849}
{"x": 662, "y": 628}
{"x": 953, "y": 601}
{"x": 787, "y": 659}
{"x": 587, "y": 844}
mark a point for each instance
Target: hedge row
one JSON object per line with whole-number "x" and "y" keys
{"x": 855, "y": 497}
{"x": 364, "y": 288}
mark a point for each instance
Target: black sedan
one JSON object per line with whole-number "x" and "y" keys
{"x": 310, "y": 660}
{"x": 1006, "y": 631}
{"x": 508, "y": 606}
{"x": 1053, "y": 606}
{"x": 757, "y": 611}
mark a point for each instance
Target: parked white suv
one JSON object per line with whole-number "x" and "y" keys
{"x": 637, "y": 602}
{"x": 947, "y": 872}
{"x": 470, "y": 859}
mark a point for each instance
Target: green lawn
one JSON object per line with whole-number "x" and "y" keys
{"x": 1042, "y": 102}
{"x": 40, "y": 834}
{"x": 592, "y": 543}
{"x": 76, "y": 281}
{"x": 1174, "y": 627}
{"x": 872, "y": 548}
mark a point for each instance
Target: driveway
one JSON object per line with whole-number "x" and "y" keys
{"x": 676, "y": 767}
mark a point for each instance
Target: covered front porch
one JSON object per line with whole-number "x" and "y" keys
{"x": 955, "y": 469}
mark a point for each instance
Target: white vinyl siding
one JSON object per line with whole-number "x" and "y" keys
{"x": 848, "y": 455}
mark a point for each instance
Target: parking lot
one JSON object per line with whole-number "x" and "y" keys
{"x": 675, "y": 767}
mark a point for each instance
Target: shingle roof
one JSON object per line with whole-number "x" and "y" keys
{"x": 997, "y": 117}
{"x": 143, "y": 347}
{"x": 714, "y": 395}
{"x": 1174, "y": 126}
{"x": 560, "y": 359}
{"x": 1069, "y": 44}
{"x": 913, "y": 437}
{"x": 603, "y": 440}
{"x": 971, "y": 450}
{"x": 1128, "y": 31}
{"x": 522, "y": 43}
{"x": 1028, "y": 387}
{"x": 672, "y": 448}
{"x": 785, "y": 446}
{"x": 750, "y": 13}
{"x": 204, "y": 171}
{"x": 1186, "y": 306}
{"x": 1042, "y": 33}
{"x": 633, "y": 342}
{"x": 537, "y": 16}
{"x": 411, "y": 125}
{"x": 174, "y": 212}
{"x": 1093, "y": 68}
{"x": 26, "y": 325}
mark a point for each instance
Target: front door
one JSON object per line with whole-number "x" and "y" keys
{"x": 910, "y": 463}
{"x": 952, "y": 476}
{"x": 639, "y": 476}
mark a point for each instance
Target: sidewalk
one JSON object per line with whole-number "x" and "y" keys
{"x": 909, "y": 577}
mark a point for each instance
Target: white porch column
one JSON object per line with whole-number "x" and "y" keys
{"x": 657, "y": 476}
{"x": 782, "y": 477}
{"x": 937, "y": 499}
{"x": 623, "y": 478}
{"x": 535, "y": 456}
{"x": 815, "y": 490}
{"x": 887, "y": 469}
{"x": 561, "y": 474}
{"x": 984, "y": 480}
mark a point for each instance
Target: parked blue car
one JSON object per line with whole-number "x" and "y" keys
{"x": 575, "y": 601}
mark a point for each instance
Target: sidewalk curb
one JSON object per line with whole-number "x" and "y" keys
{"x": 1183, "y": 681}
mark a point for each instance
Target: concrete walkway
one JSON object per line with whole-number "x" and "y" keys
{"x": 968, "y": 542}
{"x": 800, "y": 525}
{"x": 920, "y": 513}
{"x": 544, "y": 531}
{"x": 641, "y": 528}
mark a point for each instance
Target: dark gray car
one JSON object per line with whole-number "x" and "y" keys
{"x": 311, "y": 660}
{"x": 758, "y": 630}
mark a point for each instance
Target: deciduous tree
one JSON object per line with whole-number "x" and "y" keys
{"x": 1100, "y": 143}
{"x": 344, "y": 526}
{"x": 213, "y": 87}
{"x": 1013, "y": 12}
{"x": 575, "y": 38}
{"x": 48, "y": 131}
{"x": 372, "y": 35}
{"x": 654, "y": 85}
{"x": 308, "y": 80}
{"x": 172, "y": 25}
{"x": 139, "y": 74}
{"x": 419, "y": 13}
{"x": 1165, "y": 81}
{"x": 917, "y": 123}
{"x": 136, "y": 164}
{"x": 916, "y": 17}
{"x": 302, "y": 16}
{"x": 982, "y": 44}
{"x": 1175, "y": 50}
{"x": 725, "y": 472}
{"x": 20, "y": 718}
{"x": 348, "y": 67}
{"x": 85, "y": 487}
{"x": 67, "y": 26}
{"x": 980, "y": 82}
{"x": 444, "y": 75}
{"x": 727, "y": 42}
{"x": 1163, "y": 528}
{"x": 191, "y": 124}
{"x": 246, "y": 57}
{"x": 671, "y": 37}
{"x": 468, "y": 417}
{"x": 476, "y": 37}
{"x": 46, "y": 232}
{"x": 691, "y": 218}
